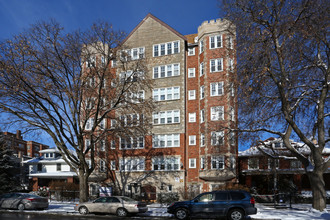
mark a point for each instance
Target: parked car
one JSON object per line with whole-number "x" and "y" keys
{"x": 233, "y": 204}
{"x": 23, "y": 201}
{"x": 119, "y": 205}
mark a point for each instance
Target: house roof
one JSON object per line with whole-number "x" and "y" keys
{"x": 159, "y": 21}
{"x": 62, "y": 174}
{"x": 50, "y": 150}
{"x": 301, "y": 147}
{"x": 191, "y": 38}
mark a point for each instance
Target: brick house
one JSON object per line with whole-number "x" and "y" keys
{"x": 191, "y": 147}
{"x": 258, "y": 170}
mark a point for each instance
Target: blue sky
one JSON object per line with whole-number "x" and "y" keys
{"x": 183, "y": 15}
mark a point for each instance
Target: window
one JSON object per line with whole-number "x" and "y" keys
{"x": 221, "y": 196}
{"x": 202, "y": 92}
{"x": 295, "y": 164}
{"x": 90, "y": 62}
{"x": 192, "y": 163}
{"x": 166, "y": 48}
{"x": 102, "y": 145}
{"x": 39, "y": 167}
{"x": 191, "y": 72}
{"x": 102, "y": 166}
{"x": 166, "y": 117}
{"x": 230, "y": 42}
{"x": 87, "y": 143}
{"x": 217, "y": 113}
{"x": 192, "y": 140}
{"x": 216, "y": 65}
{"x": 191, "y": 51}
{"x": 217, "y": 138}
{"x": 134, "y": 54}
{"x": 58, "y": 167}
{"x": 112, "y": 165}
{"x": 135, "y": 97}
{"x": 102, "y": 124}
{"x": 192, "y": 117}
{"x": 231, "y": 89}
{"x": 165, "y": 163}
{"x": 166, "y": 71}
{"x": 215, "y": 41}
{"x": 201, "y": 69}
{"x": 165, "y": 140}
{"x": 273, "y": 163}
{"x": 131, "y": 120}
{"x": 201, "y": 46}
{"x": 217, "y": 162}
{"x": 202, "y": 140}
{"x": 205, "y": 197}
{"x": 90, "y": 102}
{"x": 253, "y": 163}
{"x": 232, "y": 139}
{"x": 114, "y": 63}
{"x": 132, "y": 164}
{"x": 132, "y": 142}
{"x": 166, "y": 94}
{"x": 216, "y": 89}
{"x": 191, "y": 95}
{"x": 113, "y": 144}
{"x": 230, "y": 64}
{"x": 170, "y": 188}
{"x": 202, "y": 116}
{"x": 202, "y": 163}
{"x": 232, "y": 114}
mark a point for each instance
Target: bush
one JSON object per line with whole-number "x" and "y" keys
{"x": 167, "y": 198}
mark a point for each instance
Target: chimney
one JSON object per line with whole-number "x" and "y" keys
{"x": 18, "y": 134}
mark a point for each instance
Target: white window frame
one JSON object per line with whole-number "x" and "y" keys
{"x": 191, "y": 72}
{"x": 112, "y": 165}
{"x": 89, "y": 124}
{"x": 201, "y": 69}
{"x": 217, "y": 138}
{"x": 216, "y": 89}
{"x": 131, "y": 143}
{"x": 192, "y": 163}
{"x": 192, "y": 140}
{"x": 168, "y": 163}
{"x": 165, "y": 140}
{"x": 231, "y": 65}
{"x": 132, "y": 164}
{"x": 253, "y": 161}
{"x": 113, "y": 144}
{"x": 277, "y": 163}
{"x": 202, "y": 92}
{"x": 230, "y": 42}
{"x": 203, "y": 140}
{"x": 201, "y": 46}
{"x": 202, "y": 165}
{"x": 202, "y": 116}
{"x": 166, "y": 94}
{"x": 191, "y": 94}
{"x": 232, "y": 114}
{"x": 191, "y": 51}
{"x": 102, "y": 166}
{"x": 169, "y": 48}
{"x": 102, "y": 145}
{"x": 192, "y": 117}
{"x": 217, "y": 113}
{"x": 217, "y": 41}
{"x": 216, "y": 65}
{"x": 232, "y": 138}
{"x": 165, "y": 71}
{"x": 163, "y": 117}
{"x": 217, "y": 162}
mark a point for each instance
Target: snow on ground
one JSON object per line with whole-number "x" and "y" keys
{"x": 298, "y": 211}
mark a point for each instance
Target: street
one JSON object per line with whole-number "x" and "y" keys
{"x": 35, "y": 216}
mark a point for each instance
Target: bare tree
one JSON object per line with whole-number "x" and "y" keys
{"x": 283, "y": 76}
{"x": 63, "y": 83}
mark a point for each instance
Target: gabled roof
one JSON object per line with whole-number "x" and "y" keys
{"x": 159, "y": 21}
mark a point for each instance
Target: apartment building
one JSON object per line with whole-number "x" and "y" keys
{"x": 23, "y": 150}
{"x": 191, "y": 146}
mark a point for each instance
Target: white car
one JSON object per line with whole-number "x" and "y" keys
{"x": 119, "y": 205}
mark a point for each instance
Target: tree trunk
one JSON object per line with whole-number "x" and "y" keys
{"x": 318, "y": 189}
{"x": 83, "y": 188}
